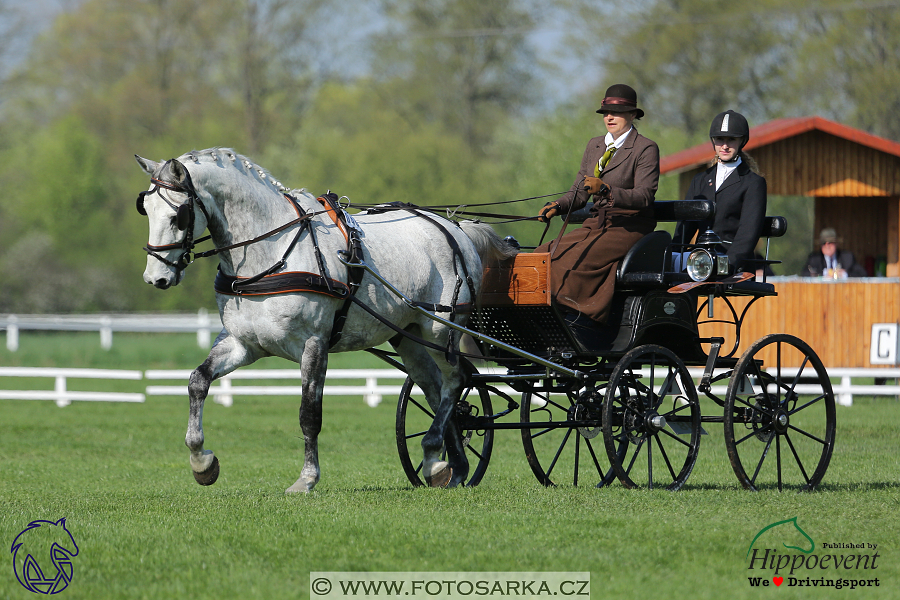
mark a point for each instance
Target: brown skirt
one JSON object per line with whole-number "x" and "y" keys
{"x": 583, "y": 266}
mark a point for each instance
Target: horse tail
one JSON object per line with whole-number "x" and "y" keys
{"x": 490, "y": 247}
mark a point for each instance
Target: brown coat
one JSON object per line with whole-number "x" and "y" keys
{"x": 583, "y": 266}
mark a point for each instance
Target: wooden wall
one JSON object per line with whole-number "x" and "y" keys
{"x": 834, "y": 318}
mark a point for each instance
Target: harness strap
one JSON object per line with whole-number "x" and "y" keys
{"x": 279, "y": 283}
{"x": 354, "y": 248}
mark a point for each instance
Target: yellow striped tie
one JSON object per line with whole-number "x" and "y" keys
{"x": 604, "y": 160}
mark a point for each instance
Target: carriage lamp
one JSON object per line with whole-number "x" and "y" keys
{"x": 703, "y": 263}
{"x": 700, "y": 264}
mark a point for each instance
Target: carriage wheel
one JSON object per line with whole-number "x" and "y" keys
{"x": 651, "y": 407}
{"x": 565, "y": 455}
{"x": 414, "y": 417}
{"x": 780, "y": 422}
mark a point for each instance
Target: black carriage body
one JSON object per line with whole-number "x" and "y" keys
{"x": 652, "y": 317}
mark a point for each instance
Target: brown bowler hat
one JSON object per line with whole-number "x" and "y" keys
{"x": 620, "y": 98}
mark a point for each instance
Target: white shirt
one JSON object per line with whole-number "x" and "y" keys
{"x": 723, "y": 170}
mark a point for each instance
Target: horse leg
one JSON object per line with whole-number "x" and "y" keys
{"x": 227, "y": 354}
{"x": 442, "y": 387}
{"x": 313, "y": 365}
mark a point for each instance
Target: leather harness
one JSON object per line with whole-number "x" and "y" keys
{"x": 270, "y": 281}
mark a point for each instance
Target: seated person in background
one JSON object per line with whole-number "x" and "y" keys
{"x": 737, "y": 189}
{"x": 621, "y": 171}
{"x": 830, "y": 261}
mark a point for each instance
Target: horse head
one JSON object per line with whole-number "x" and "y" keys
{"x": 41, "y": 544}
{"x": 171, "y": 206}
{"x": 783, "y": 532}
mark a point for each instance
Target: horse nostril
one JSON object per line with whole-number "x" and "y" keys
{"x": 161, "y": 284}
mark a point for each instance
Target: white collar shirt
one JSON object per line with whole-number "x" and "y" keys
{"x": 723, "y": 170}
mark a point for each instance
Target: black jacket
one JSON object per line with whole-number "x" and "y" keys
{"x": 740, "y": 211}
{"x": 815, "y": 264}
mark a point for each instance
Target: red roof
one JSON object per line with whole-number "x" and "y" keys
{"x": 775, "y": 131}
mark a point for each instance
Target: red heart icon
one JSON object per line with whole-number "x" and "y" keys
{"x": 778, "y": 580}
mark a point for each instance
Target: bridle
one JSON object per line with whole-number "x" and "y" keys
{"x": 185, "y": 216}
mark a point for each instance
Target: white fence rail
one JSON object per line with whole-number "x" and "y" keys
{"x": 372, "y": 390}
{"x": 201, "y": 324}
{"x": 60, "y": 394}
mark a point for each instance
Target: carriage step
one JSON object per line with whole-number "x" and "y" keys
{"x": 682, "y": 428}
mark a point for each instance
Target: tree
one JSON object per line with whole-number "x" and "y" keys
{"x": 848, "y": 64}
{"x": 462, "y": 63}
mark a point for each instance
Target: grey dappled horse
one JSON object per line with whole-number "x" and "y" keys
{"x": 238, "y": 201}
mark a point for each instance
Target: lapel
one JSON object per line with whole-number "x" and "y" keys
{"x": 623, "y": 152}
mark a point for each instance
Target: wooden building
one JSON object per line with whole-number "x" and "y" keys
{"x": 854, "y": 178}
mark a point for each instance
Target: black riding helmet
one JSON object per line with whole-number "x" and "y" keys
{"x": 730, "y": 124}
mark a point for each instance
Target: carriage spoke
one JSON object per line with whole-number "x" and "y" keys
{"x": 577, "y": 456}
{"x": 594, "y": 457}
{"x": 761, "y": 459}
{"x": 755, "y": 407}
{"x": 809, "y": 435}
{"x": 778, "y": 458}
{"x": 796, "y": 457}
{"x": 674, "y": 437}
{"x": 810, "y": 403}
{"x": 765, "y": 429}
{"x": 665, "y": 456}
{"x": 637, "y": 451}
{"x": 559, "y": 452}
{"x": 424, "y": 409}
{"x": 477, "y": 454}
{"x": 415, "y": 435}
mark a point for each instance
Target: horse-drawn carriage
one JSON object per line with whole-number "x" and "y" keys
{"x": 300, "y": 278}
{"x": 623, "y": 403}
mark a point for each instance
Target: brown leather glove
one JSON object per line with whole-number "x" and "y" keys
{"x": 550, "y": 210}
{"x": 595, "y": 186}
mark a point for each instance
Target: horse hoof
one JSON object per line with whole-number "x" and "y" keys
{"x": 301, "y": 486}
{"x": 441, "y": 478}
{"x": 210, "y": 475}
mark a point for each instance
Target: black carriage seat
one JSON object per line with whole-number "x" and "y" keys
{"x": 644, "y": 263}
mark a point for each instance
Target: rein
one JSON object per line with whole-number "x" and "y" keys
{"x": 456, "y": 210}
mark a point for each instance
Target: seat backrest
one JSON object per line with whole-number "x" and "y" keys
{"x": 647, "y": 255}
{"x": 664, "y": 210}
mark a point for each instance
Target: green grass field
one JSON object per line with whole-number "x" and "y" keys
{"x": 119, "y": 474}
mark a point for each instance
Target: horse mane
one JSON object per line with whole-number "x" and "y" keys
{"x": 227, "y": 156}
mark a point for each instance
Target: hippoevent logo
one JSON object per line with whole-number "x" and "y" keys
{"x": 782, "y": 553}
{"x": 42, "y": 556}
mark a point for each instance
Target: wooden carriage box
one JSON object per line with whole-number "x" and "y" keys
{"x": 523, "y": 280}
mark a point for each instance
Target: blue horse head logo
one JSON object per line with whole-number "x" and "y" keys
{"x": 44, "y": 542}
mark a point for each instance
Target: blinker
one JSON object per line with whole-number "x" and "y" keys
{"x": 140, "y": 204}
{"x": 183, "y": 217}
